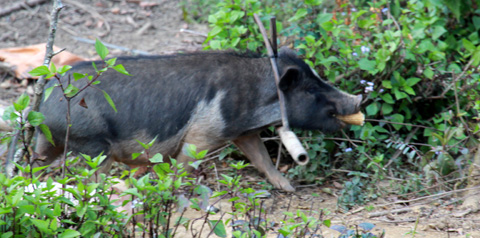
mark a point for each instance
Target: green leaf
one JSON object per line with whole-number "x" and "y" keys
{"x": 9, "y": 114}
{"x": 7, "y": 234}
{"x": 218, "y": 227}
{"x": 70, "y": 91}
{"x": 39, "y": 71}
{"x": 438, "y": 31}
{"x": 428, "y": 73}
{"x": 476, "y": 22}
{"x": 5, "y": 210}
{"x": 109, "y": 100}
{"x": 399, "y": 95}
{"x": 48, "y": 91}
{"x": 102, "y": 51}
{"x": 387, "y": 84}
{"x": 327, "y": 222}
{"x": 36, "y": 169}
{"x": 157, "y": 158}
{"x": 42, "y": 225}
{"x": 69, "y": 234}
{"x": 64, "y": 69}
{"x": 324, "y": 17}
{"x": 77, "y": 76}
{"x": 387, "y": 98}
{"x": 397, "y": 118}
{"x": 367, "y": 65}
{"x": 235, "y": 15}
{"x": 189, "y": 150}
{"x": 135, "y": 155}
{"x": 35, "y": 118}
{"x": 412, "y": 81}
{"x": 111, "y": 62}
{"x": 409, "y": 90}
{"x": 46, "y": 132}
{"x": 310, "y": 39}
{"x": 476, "y": 58}
{"x": 313, "y": 2}
{"x": 372, "y": 109}
{"x": 386, "y": 109}
{"x": 53, "y": 68}
{"x": 119, "y": 68}
{"x": 22, "y": 102}
{"x": 302, "y": 12}
{"x": 469, "y": 46}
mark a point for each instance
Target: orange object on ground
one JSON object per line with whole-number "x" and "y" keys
{"x": 24, "y": 59}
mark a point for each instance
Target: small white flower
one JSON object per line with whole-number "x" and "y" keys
{"x": 363, "y": 81}
{"x": 364, "y": 49}
{"x": 354, "y": 9}
{"x": 368, "y": 89}
{"x": 384, "y": 10}
{"x": 354, "y": 54}
{"x": 370, "y": 83}
{"x": 348, "y": 150}
{"x": 343, "y": 13}
{"x": 381, "y": 90}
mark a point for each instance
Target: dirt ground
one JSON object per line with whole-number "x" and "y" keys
{"x": 154, "y": 27}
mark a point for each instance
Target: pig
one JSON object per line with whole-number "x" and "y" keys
{"x": 204, "y": 98}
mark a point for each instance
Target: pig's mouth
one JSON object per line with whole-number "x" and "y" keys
{"x": 352, "y": 119}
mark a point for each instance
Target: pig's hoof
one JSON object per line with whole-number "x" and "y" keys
{"x": 283, "y": 184}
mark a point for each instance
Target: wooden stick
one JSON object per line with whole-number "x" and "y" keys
{"x": 273, "y": 60}
{"x": 39, "y": 89}
{"x": 273, "y": 34}
{"x": 19, "y": 5}
{"x": 288, "y": 138}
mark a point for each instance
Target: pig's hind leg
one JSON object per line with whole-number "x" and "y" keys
{"x": 253, "y": 147}
{"x": 47, "y": 152}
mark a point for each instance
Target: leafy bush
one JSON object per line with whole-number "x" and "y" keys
{"x": 415, "y": 62}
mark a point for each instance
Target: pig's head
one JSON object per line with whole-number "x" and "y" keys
{"x": 312, "y": 103}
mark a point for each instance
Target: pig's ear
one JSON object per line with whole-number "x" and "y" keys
{"x": 290, "y": 78}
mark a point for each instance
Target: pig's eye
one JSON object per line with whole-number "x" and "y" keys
{"x": 331, "y": 113}
{"x": 311, "y": 90}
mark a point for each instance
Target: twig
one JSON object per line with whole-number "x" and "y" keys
{"x": 403, "y": 124}
{"x": 439, "y": 195}
{"x": 383, "y": 213}
{"x": 40, "y": 83}
{"x": 193, "y": 32}
{"x": 279, "y": 155}
{"x": 20, "y": 5}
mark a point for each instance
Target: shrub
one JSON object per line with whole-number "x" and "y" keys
{"x": 414, "y": 61}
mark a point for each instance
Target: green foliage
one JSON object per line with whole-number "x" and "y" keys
{"x": 233, "y": 27}
{"x": 70, "y": 90}
{"x": 415, "y": 62}
{"x": 33, "y": 208}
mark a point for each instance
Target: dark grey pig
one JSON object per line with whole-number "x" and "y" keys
{"x": 205, "y": 99}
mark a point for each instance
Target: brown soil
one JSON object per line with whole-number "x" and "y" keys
{"x": 154, "y": 27}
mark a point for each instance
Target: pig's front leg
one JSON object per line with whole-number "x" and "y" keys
{"x": 253, "y": 147}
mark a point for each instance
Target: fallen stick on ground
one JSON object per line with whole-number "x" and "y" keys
{"x": 20, "y": 5}
{"x": 383, "y": 213}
